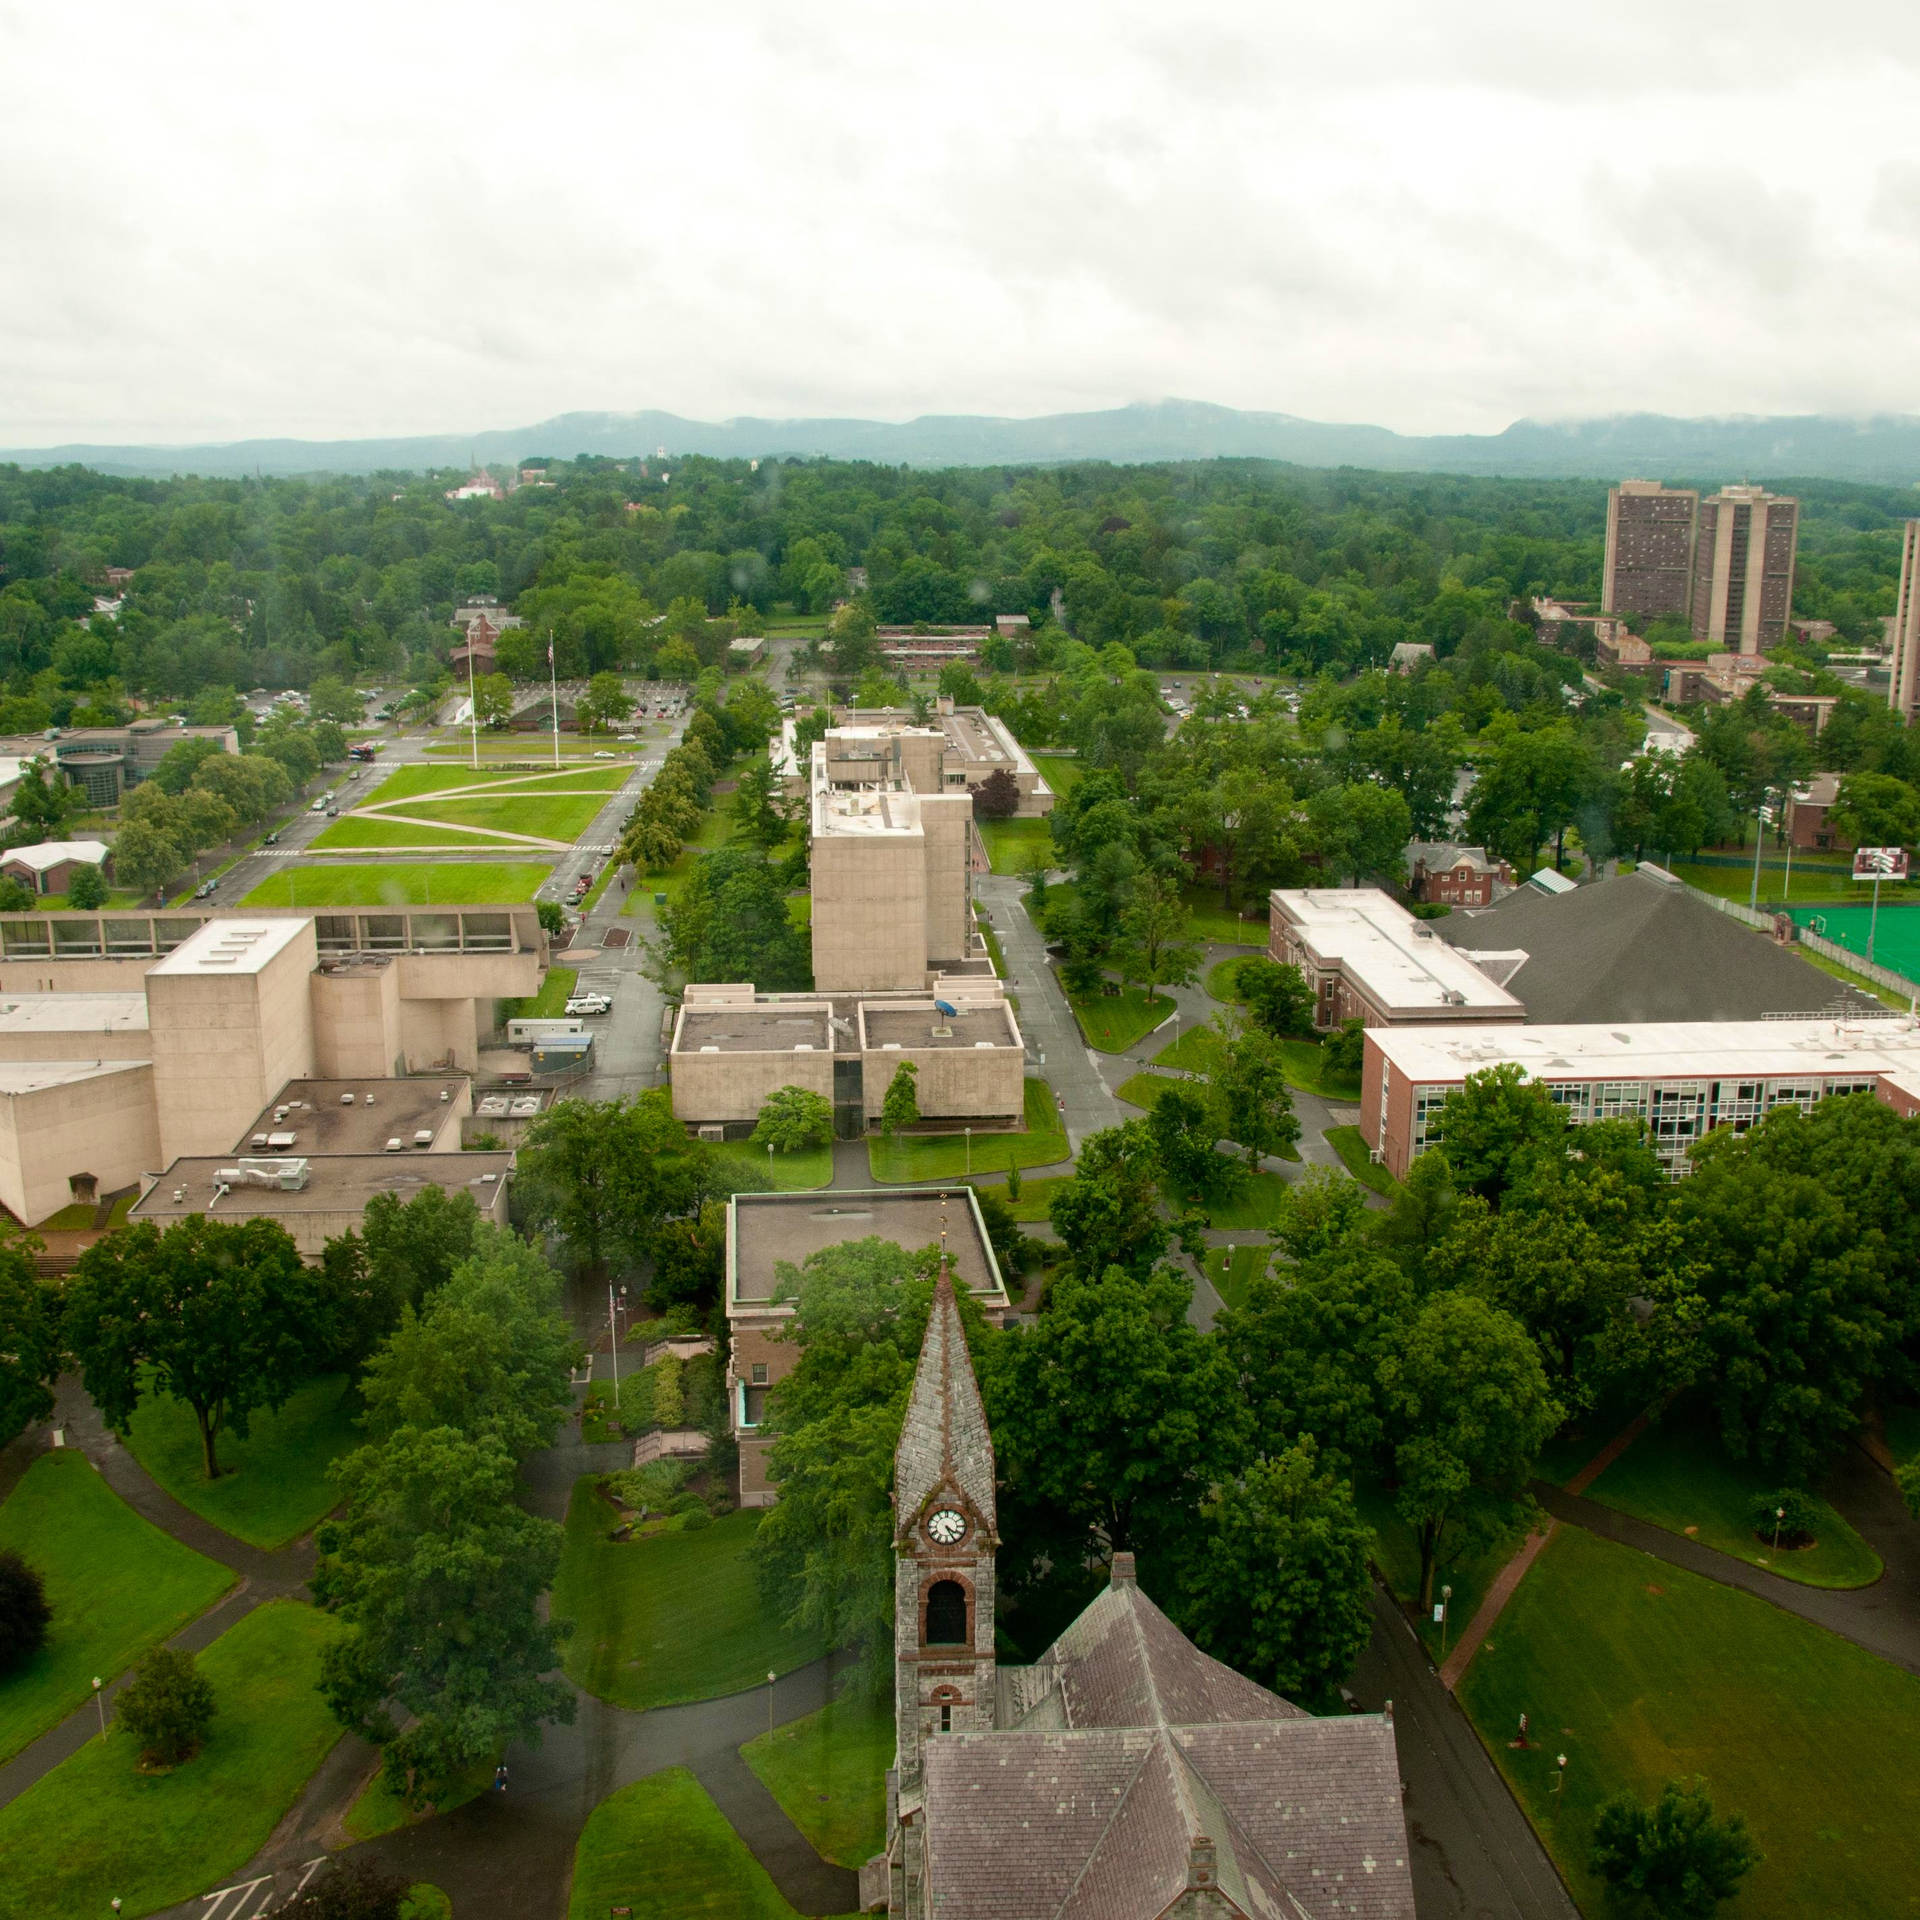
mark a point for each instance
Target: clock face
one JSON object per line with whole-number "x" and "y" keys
{"x": 946, "y": 1526}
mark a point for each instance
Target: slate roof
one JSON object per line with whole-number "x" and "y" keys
{"x": 1146, "y": 1768}
{"x": 1636, "y": 948}
{"x": 944, "y": 1439}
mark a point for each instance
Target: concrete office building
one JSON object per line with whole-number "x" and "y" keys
{"x": 1683, "y": 1078}
{"x": 1743, "y": 554}
{"x": 162, "y": 1036}
{"x": 1649, "y": 559}
{"x": 104, "y": 761}
{"x": 769, "y": 1235}
{"x": 958, "y": 747}
{"x": 1903, "y": 630}
{"x": 1365, "y": 957}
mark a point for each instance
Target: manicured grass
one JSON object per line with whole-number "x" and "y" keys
{"x": 1113, "y": 1022}
{"x": 946, "y": 1156}
{"x": 1220, "y": 982}
{"x": 373, "y": 831}
{"x": 1679, "y": 1476}
{"x": 407, "y": 783}
{"x": 117, "y": 1586}
{"x": 662, "y": 1850}
{"x": 1145, "y": 1089}
{"x": 466, "y": 883}
{"x": 1036, "y": 1194}
{"x": 1397, "y": 1555}
{"x": 1232, "y": 1277}
{"x": 550, "y": 1003}
{"x": 1198, "y": 1050}
{"x": 1641, "y": 1673}
{"x": 1351, "y": 1146}
{"x": 1013, "y": 845}
{"x": 784, "y": 1173}
{"x": 554, "y": 816}
{"x": 425, "y": 1901}
{"x": 1255, "y": 1207}
{"x": 97, "y": 1827}
{"x": 800, "y": 910}
{"x": 1223, "y": 925}
{"x": 75, "y": 1217}
{"x": 273, "y": 1487}
{"x": 1303, "y": 1064}
{"x": 1061, "y": 771}
{"x": 670, "y": 1618}
{"x": 378, "y": 1809}
{"x": 829, "y": 1771}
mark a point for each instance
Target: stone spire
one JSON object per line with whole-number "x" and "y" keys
{"x": 944, "y": 1442}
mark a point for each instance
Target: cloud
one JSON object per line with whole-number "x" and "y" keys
{"x": 430, "y": 217}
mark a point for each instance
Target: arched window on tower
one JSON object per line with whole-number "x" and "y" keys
{"x": 946, "y": 1614}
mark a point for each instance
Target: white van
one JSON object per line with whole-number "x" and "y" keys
{"x": 319, "y": 806}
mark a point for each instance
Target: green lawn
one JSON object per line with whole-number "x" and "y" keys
{"x": 1809, "y": 882}
{"x": 75, "y": 1217}
{"x": 784, "y": 1173}
{"x": 1035, "y": 1194}
{"x": 273, "y": 1485}
{"x": 353, "y": 833}
{"x": 96, "y": 1827}
{"x": 550, "y": 1003}
{"x": 1247, "y": 1264}
{"x": 1197, "y": 1050}
{"x": 1220, "y": 982}
{"x": 407, "y": 783}
{"x": 661, "y": 1850}
{"x": 1903, "y": 1431}
{"x": 1305, "y": 1074}
{"x": 1887, "y": 997}
{"x": 554, "y": 816}
{"x": 463, "y": 883}
{"x": 946, "y": 1156}
{"x": 673, "y": 1617}
{"x": 1641, "y": 1673}
{"x": 378, "y": 1809}
{"x": 1013, "y": 845}
{"x": 1145, "y": 1089}
{"x": 1679, "y": 1476}
{"x": 116, "y": 1586}
{"x": 1223, "y": 925}
{"x": 1255, "y": 1207}
{"x": 1061, "y": 771}
{"x": 1113, "y": 1022}
{"x": 829, "y": 1771}
{"x": 1351, "y": 1146}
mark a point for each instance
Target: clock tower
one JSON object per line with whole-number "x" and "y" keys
{"x": 943, "y": 1543}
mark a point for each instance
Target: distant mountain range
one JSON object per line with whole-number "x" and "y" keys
{"x": 1883, "y": 447}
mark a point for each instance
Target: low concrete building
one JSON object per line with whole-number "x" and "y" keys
{"x": 958, "y": 747}
{"x": 1409, "y": 656}
{"x": 104, "y": 761}
{"x": 47, "y": 867}
{"x": 732, "y": 1048}
{"x": 1624, "y": 651}
{"x": 73, "y": 1129}
{"x": 1683, "y": 1079}
{"x": 1444, "y": 873}
{"x": 771, "y": 1234}
{"x": 317, "y": 1199}
{"x": 1365, "y": 957}
{"x": 747, "y": 651}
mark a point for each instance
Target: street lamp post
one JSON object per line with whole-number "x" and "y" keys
{"x": 1560, "y": 1772}
{"x": 769, "y": 1700}
{"x": 1759, "y": 840}
{"x": 100, "y": 1703}
{"x": 613, "y": 1333}
{"x": 1779, "y": 1517}
{"x": 969, "y": 1133}
{"x": 1446, "y": 1616}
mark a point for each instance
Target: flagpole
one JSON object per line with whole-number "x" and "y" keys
{"x": 553, "y": 685}
{"x": 473, "y": 705}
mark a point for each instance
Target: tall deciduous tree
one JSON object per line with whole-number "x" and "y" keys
{"x": 1675, "y": 1857}
{"x": 31, "y": 1350}
{"x": 900, "y": 1108}
{"x": 220, "y": 1314}
{"x": 792, "y": 1119}
{"x": 1157, "y": 946}
{"x": 1108, "y": 1214}
{"x": 1278, "y": 999}
{"x": 1250, "y": 1085}
{"x": 1493, "y": 1124}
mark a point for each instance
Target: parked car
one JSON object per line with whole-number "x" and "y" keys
{"x": 589, "y": 1003}
{"x": 605, "y": 753}
{"x": 319, "y": 806}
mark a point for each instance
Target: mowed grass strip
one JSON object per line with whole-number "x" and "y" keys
{"x": 829, "y": 1771}
{"x": 948, "y": 1156}
{"x": 1679, "y": 1475}
{"x": 661, "y": 1850}
{"x": 273, "y": 1485}
{"x": 96, "y": 1827}
{"x": 553, "y": 816}
{"x": 670, "y": 1618}
{"x": 1016, "y": 845}
{"x": 117, "y": 1586}
{"x": 356, "y": 831}
{"x": 463, "y": 883}
{"x": 1113, "y": 1022}
{"x": 406, "y": 783}
{"x": 1641, "y": 1673}
{"x": 1351, "y": 1146}
{"x": 796, "y": 1172}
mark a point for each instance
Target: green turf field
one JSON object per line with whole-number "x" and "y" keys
{"x": 1896, "y": 936}
{"x": 452, "y": 883}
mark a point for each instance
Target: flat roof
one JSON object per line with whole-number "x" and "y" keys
{"x": 320, "y": 1120}
{"x": 1398, "y": 961}
{"x": 1660, "y": 1050}
{"x": 228, "y": 946}
{"x": 753, "y": 1029}
{"x": 336, "y": 1183}
{"x": 73, "y": 1013}
{"x": 764, "y": 1229}
{"x": 869, "y": 812}
{"x": 915, "y": 1027}
{"x": 40, "y": 1076}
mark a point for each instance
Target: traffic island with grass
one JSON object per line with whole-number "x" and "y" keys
{"x": 377, "y": 1809}
{"x": 116, "y": 1586}
{"x": 1640, "y": 1674}
{"x": 1234, "y": 1269}
{"x": 911, "y": 1157}
{"x": 273, "y": 1484}
{"x": 99, "y": 1827}
{"x": 1113, "y": 1019}
{"x": 1678, "y": 1475}
{"x": 829, "y": 1771}
{"x": 661, "y": 1850}
{"x": 667, "y": 1618}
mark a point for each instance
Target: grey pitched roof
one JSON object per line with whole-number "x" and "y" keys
{"x": 1147, "y": 1762}
{"x": 1637, "y": 948}
{"x": 944, "y": 1440}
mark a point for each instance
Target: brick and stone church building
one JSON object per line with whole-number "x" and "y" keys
{"x": 1124, "y": 1776}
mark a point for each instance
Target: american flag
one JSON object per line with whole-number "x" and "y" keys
{"x": 549, "y": 649}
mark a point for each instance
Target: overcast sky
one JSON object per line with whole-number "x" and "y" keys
{"x": 220, "y": 221}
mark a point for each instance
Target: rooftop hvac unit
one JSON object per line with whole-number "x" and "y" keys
{"x": 446, "y": 1094}
{"x": 279, "y": 1142}
{"x": 395, "y": 1144}
{"x": 259, "y": 1143}
{"x": 423, "y": 1137}
{"x": 346, "y": 1099}
{"x": 368, "y": 1098}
